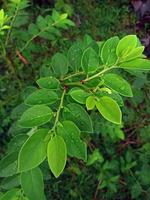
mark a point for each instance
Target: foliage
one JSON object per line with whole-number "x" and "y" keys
{"x": 77, "y": 120}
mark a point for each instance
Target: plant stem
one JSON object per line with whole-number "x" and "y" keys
{"x": 59, "y": 109}
{"x": 77, "y": 84}
{"x": 98, "y": 74}
{"x": 72, "y": 75}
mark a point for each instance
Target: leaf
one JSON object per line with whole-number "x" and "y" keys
{"x": 48, "y": 83}
{"x": 41, "y": 97}
{"x": 135, "y": 53}
{"x": 35, "y": 147}
{"x": 32, "y": 184}
{"x": 8, "y": 165}
{"x": 79, "y": 95}
{"x": 138, "y": 64}
{"x": 36, "y": 116}
{"x": 95, "y": 156}
{"x": 57, "y": 155}
{"x": 118, "y": 84}
{"x": 109, "y": 109}
{"x": 60, "y": 64}
{"x": 79, "y": 116}
{"x": 126, "y": 45}
{"x": 11, "y": 195}
{"x": 10, "y": 182}
{"x": 108, "y": 52}
{"x": 90, "y": 103}
{"x": 90, "y": 60}
{"x": 71, "y": 135}
{"x": 74, "y": 56}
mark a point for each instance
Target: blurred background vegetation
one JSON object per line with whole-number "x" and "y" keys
{"x": 118, "y": 166}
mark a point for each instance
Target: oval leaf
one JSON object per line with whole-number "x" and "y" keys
{"x": 57, "y": 155}
{"x": 79, "y": 95}
{"x": 109, "y": 109}
{"x": 71, "y": 134}
{"x": 48, "y": 83}
{"x": 32, "y": 184}
{"x": 90, "y": 103}
{"x": 35, "y": 147}
{"x": 36, "y": 116}
{"x": 118, "y": 84}
{"x": 59, "y": 64}
{"x": 41, "y": 97}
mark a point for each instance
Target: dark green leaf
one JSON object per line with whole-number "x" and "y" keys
{"x": 48, "y": 83}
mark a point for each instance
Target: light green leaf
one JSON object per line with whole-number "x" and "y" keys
{"x": 48, "y": 83}
{"x": 59, "y": 64}
{"x": 71, "y": 134}
{"x": 135, "y": 53}
{"x": 41, "y": 97}
{"x": 32, "y": 184}
{"x": 108, "y": 52}
{"x": 90, "y": 103}
{"x": 79, "y": 95}
{"x": 36, "y": 116}
{"x": 8, "y": 165}
{"x": 109, "y": 109}
{"x": 35, "y": 147}
{"x": 57, "y": 155}
{"x": 126, "y": 45}
{"x": 74, "y": 56}
{"x": 79, "y": 116}
{"x": 95, "y": 156}
{"x": 90, "y": 60}
{"x": 118, "y": 84}
{"x": 138, "y": 64}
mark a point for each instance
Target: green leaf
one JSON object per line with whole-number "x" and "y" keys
{"x": 138, "y": 64}
{"x": 48, "y": 83}
{"x": 126, "y": 45}
{"x": 74, "y": 56}
{"x": 8, "y": 165}
{"x": 35, "y": 147}
{"x": 90, "y": 103}
{"x": 41, "y": 97}
{"x": 10, "y": 182}
{"x": 59, "y": 64}
{"x": 71, "y": 134}
{"x": 57, "y": 155}
{"x": 135, "y": 53}
{"x": 108, "y": 52}
{"x": 79, "y": 116}
{"x": 109, "y": 109}
{"x": 11, "y": 195}
{"x": 79, "y": 95}
{"x": 95, "y": 156}
{"x": 36, "y": 116}
{"x": 32, "y": 184}
{"x": 90, "y": 60}
{"x": 118, "y": 84}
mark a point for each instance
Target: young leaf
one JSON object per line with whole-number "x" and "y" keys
{"x": 108, "y": 52}
{"x": 59, "y": 64}
{"x": 90, "y": 60}
{"x": 57, "y": 155}
{"x": 32, "y": 184}
{"x": 36, "y": 116}
{"x": 71, "y": 134}
{"x": 109, "y": 109}
{"x": 79, "y": 116}
{"x": 118, "y": 84}
{"x": 74, "y": 56}
{"x": 41, "y": 97}
{"x": 48, "y": 83}
{"x": 126, "y": 45}
{"x": 35, "y": 147}
{"x": 79, "y": 95}
{"x": 90, "y": 103}
{"x": 138, "y": 64}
